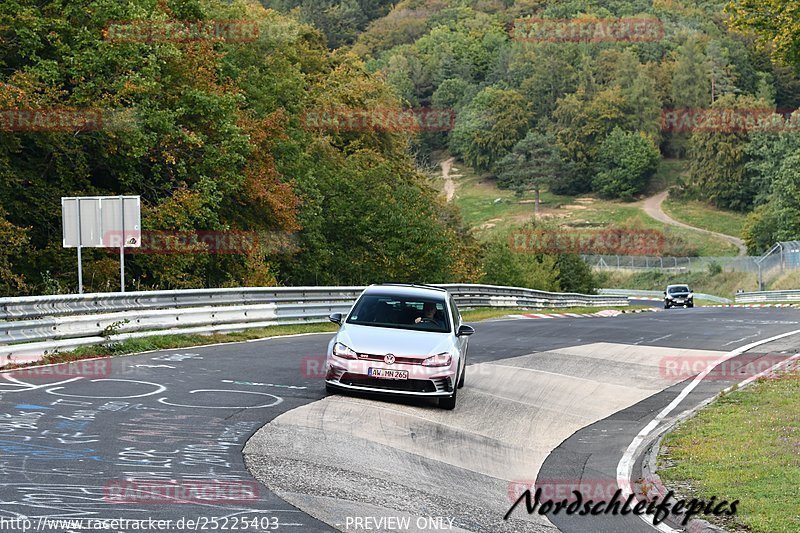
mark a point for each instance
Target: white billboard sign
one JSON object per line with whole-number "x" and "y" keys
{"x": 102, "y": 221}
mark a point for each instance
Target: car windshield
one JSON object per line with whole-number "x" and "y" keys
{"x": 392, "y": 311}
{"x": 679, "y": 288}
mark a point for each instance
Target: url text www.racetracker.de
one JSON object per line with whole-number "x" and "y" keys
{"x": 660, "y": 510}
{"x": 119, "y": 525}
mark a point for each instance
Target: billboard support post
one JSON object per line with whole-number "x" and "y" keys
{"x": 80, "y": 259}
{"x": 122, "y": 245}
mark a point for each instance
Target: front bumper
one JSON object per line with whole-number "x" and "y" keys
{"x": 429, "y": 382}
{"x": 683, "y": 302}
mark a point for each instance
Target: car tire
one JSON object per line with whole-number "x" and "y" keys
{"x": 690, "y": 305}
{"x": 463, "y": 377}
{"x": 449, "y": 403}
{"x": 666, "y": 306}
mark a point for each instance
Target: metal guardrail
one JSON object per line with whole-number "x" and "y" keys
{"x": 632, "y": 293}
{"x": 768, "y": 296}
{"x": 33, "y": 326}
{"x": 77, "y": 304}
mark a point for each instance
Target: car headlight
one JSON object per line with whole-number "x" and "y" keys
{"x": 340, "y": 350}
{"x": 691, "y": 295}
{"x": 669, "y": 297}
{"x": 442, "y": 359}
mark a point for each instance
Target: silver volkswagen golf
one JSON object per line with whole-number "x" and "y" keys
{"x": 400, "y": 339}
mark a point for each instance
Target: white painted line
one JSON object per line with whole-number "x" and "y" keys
{"x": 661, "y": 338}
{"x": 742, "y": 339}
{"x": 625, "y": 466}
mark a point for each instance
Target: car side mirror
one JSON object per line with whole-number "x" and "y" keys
{"x": 336, "y": 318}
{"x": 465, "y": 331}
{"x": 665, "y": 293}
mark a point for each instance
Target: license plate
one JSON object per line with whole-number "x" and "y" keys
{"x": 678, "y": 300}
{"x": 387, "y": 374}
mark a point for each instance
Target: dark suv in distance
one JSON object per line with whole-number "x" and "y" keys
{"x": 678, "y": 295}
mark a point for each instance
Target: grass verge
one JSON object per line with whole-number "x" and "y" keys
{"x": 786, "y": 281}
{"x": 702, "y": 215}
{"x": 743, "y": 447}
{"x": 490, "y": 210}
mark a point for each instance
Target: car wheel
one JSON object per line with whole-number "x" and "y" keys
{"x": 689, "y": 305}
{"x": 463, "y": 376}
{"x": 449, "y": 403}
{"x": 666, "y": 306}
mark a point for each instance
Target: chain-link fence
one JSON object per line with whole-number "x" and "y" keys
{"x": 670, "y": 264}
{"x": 782, "y": 257}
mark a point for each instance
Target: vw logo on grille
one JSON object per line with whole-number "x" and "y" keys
{"x": 389, "y": 359}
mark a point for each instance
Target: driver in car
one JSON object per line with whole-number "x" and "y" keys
{"x": 429, "y": 315}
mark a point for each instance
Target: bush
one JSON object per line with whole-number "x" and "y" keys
{"x": 625, "y": 162}
{"x": 503, "y": 266}
{"x": 575, "y": 275}
{"x": 714, "y": 268}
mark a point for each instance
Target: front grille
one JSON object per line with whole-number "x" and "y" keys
{"x": 407, "y": 385}
{"x": 397, "y": 359}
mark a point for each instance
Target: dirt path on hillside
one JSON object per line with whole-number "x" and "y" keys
{"x": 449, "y": 184}
{"x": 652, "y": 206}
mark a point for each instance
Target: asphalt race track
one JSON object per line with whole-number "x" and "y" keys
{"x": 557, "y": 401}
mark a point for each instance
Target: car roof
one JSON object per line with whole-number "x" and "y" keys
{"x": 408, "y": 289}
{"x": 678, "y": 285}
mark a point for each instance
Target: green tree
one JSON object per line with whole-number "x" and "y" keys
{"x": 533, "y": 163}
{"x": 341, "y": 21}
{"x": 765, "y": 153}
{"x": 691, "y": 86}
{"x": 489, "y": 126}
{"x": 717, "y": 168}
{"x": 778, "y": 219}
{"x": 550, "y": 74}
{"x": 15, "y": 241}
{"x": 722, "y": 73}
{"x": 582, "y": 122}
{"x": 453, "y": 93}
{"x": 625, "y": 163}
{"x": 776, "y": 22}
